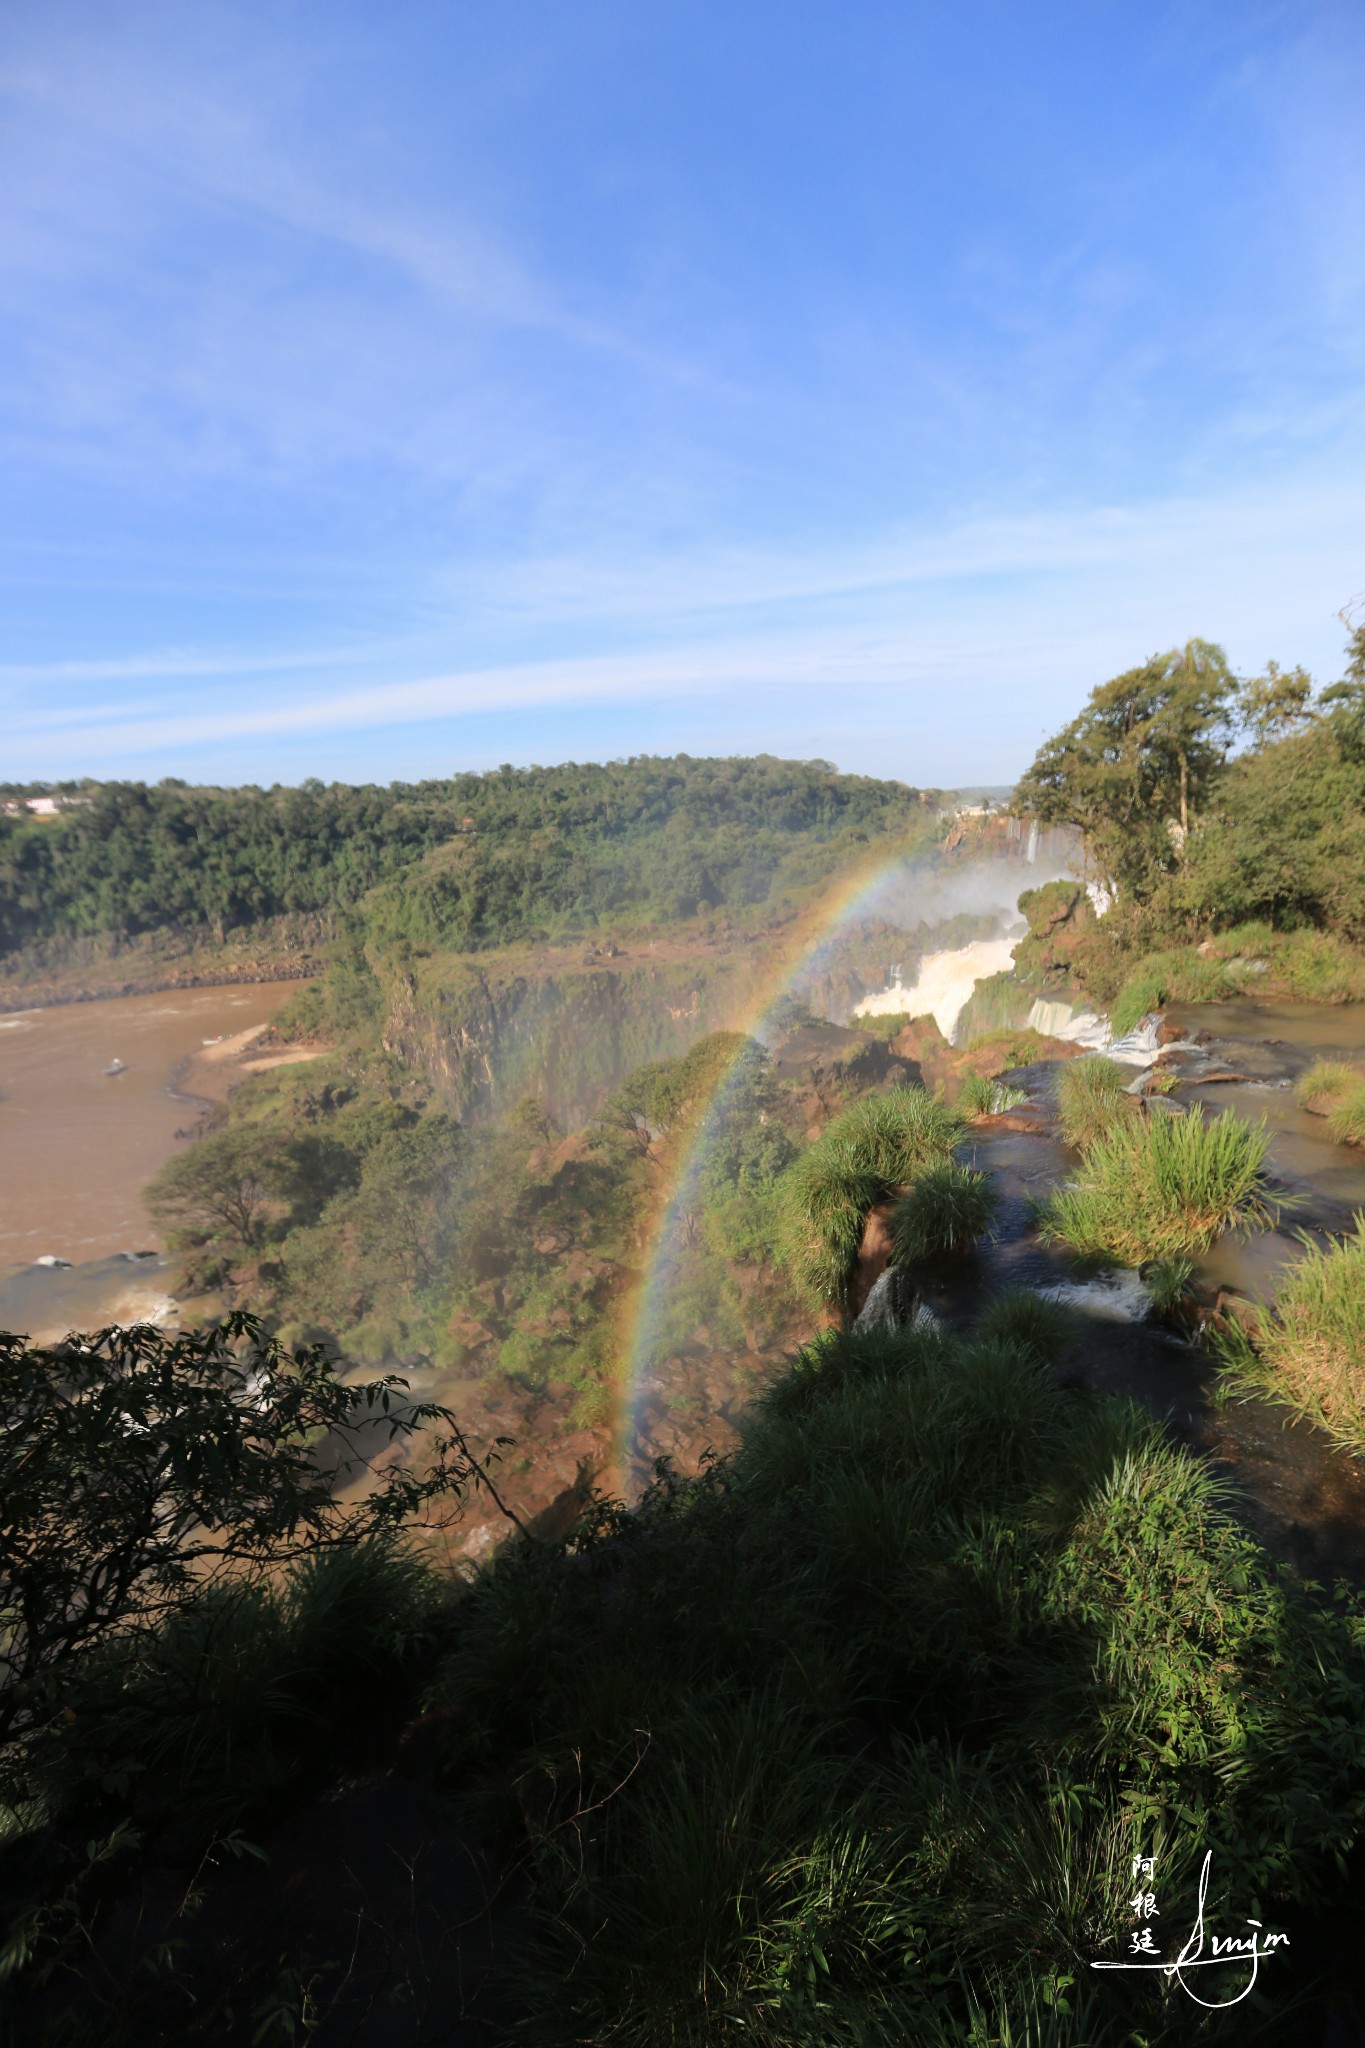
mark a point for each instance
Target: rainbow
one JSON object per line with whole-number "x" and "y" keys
{"x": 852, "y": 897}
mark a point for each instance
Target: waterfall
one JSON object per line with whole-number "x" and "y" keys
{"x": 1050, "y": 1018}
{"x": 1032, "y": 853}
{"x": 1140, "y": 1047}
{"x": 944, "y": 984}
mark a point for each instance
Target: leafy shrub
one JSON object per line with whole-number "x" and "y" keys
{"x": 944, "y": 1213}
{"x": 1091, "y": 1098}
{"x": 138, "y": 1466}
{"x": 886, "y": 1025}
{"x": 1152, "y": 1188}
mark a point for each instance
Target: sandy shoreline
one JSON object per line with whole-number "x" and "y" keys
{"x": 211, "y": 1073}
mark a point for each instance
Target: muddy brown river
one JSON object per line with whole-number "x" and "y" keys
{"x": 78, "y": 1144}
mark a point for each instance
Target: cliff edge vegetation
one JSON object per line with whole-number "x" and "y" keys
{"x": 1225, "y": 820}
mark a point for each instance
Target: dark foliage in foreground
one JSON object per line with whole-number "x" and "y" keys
{"x": 140, "y": 1468}
{"x": 853, "y": 1739}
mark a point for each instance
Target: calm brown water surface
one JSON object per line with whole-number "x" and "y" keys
{"x": 77, "y": 1146}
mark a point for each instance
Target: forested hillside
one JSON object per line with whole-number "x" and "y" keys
{"x": 508, "y": 854}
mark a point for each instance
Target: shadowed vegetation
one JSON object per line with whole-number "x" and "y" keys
{"x": 944, "y": 1214}
{"x": 879, "y": 1145}
{"x": 852, "y": 1739}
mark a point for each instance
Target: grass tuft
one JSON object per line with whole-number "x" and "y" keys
{"x": 882, "y": 1143}
{"x": 979, "y": 1095}
{"x": 1028, "y": 1322}
{"x": 1179, "y": 976}
{"x": 1156, "y": 1188}
{"x": 1167, "y": 1281}
{"x": 944, "y": 1213}
{"x": 1323, "y": 1086}
{"x": 1309, "y": 1352}
{"x": 1336, "y": 1091}
{"x": 1347, "y": 1120}
{"x": 1091, "y": 1099}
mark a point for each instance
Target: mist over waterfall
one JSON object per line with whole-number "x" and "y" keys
{"x": 941, "y": 983}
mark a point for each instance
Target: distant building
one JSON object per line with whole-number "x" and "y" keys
{"x": 41, "y": 806}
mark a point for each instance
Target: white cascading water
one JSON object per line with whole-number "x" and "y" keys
{"x": 944, "y": 984}
{"x": 1137, "y": 1048}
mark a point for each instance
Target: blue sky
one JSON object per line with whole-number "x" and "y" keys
{"x": 385, "y": 391}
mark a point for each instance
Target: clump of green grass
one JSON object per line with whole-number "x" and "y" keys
{"x": 879, "y": 1145}
{"x": 1347, "y": 1121}
{"x": 1180, "y": 976}
{"x": 944, "y": 1213}
{"x": 1091, "y": 1099}
{"x": 887, "y": 1025}
{"x": 1317, "y": 968}
{"x": 979, "y": 1095}
{"x": 1155, "y": 1188}
{"x": 1167, "y": 1281}
{"x": 1027, "y": 1322}
{"x": 1309, "y": 1349}
{"x": 1332, "y": 1089}
{"x": 1323, "y": 1086}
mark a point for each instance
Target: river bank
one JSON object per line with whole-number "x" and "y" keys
{"x": 94, "y": 1098}
{"x": 104, "y": 969}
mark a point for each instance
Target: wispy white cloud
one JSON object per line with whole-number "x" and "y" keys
{"x": 352, "y": 436}
{"x": 1010, "y": 617}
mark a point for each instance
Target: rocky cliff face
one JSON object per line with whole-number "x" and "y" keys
{"x": 484, "y": 1037}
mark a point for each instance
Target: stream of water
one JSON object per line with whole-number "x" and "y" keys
{"x": 1305, "y": 1499}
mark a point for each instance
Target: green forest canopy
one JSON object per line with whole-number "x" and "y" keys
{"x": 504, "y": 853}
{"x": 1204, "y": 836}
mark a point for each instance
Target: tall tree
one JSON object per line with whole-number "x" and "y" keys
{"x": 1132, "y": 770}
